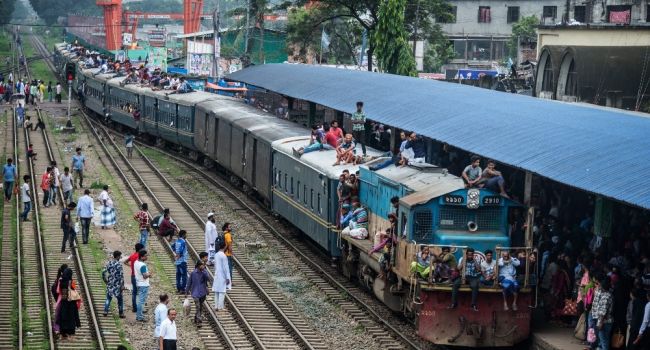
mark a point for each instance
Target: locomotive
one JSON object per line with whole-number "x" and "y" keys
{"x": 255, "y": 149}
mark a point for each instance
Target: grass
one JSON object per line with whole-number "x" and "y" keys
{"x": 39, "y": 68}
{"x": 163, "y": 162}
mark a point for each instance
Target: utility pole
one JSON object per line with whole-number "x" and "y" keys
{"x": 415, "y": 30}
{"x": 217, "y": 43}
{"x": 248, "y": 11}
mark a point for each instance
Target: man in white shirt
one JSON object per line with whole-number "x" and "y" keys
{"x": 508, "y": 278}
{"x": 57, "y": 182}
{"x": 59, "y": 89}
{"x": 26, "y": 196}
{"x": 160, "y": 314}
{"x": 642, "y": 341}
{"x": 168, "y": 331}
{"x": 221, "y": 282}
{"x": 210, "y": 236}
{"x": 487, "y": 269}
{"x": 142, "y": 275}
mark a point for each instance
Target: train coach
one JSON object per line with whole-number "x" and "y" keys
{"x": 256, "y": 149}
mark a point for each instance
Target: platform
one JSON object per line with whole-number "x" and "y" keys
{"x": 554, "y": 337}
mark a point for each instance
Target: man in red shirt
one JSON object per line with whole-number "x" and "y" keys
{"x": 333, "y": 135}
{"x": 130, "y": 261}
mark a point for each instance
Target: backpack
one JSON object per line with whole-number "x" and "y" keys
{"x": 156, "y": 220}
{"x": 219, "y": 242}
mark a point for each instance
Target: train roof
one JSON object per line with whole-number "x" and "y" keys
{"x": 320, "y": 160}
{"x": 425, "y": 180}
{"x": 267, "y": 127}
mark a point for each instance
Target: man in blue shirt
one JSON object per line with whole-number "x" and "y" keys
{"x": 198, "y": 288}
{"x": 181, "y": 262}
{"x": 419, "y": 149}
{"x": 9, "y": 175}
{"x": 20, "y": 113}
{"x": 78, "y": 163}
{"x": 85, "y": 211}
{"x": 472, "y": 275}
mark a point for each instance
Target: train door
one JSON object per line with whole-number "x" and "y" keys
{"x": 215, "y": 136}
{"x": 250, "y": 159}
{"x": 203, "y": 132}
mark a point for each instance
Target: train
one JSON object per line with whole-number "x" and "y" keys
{"x": 255, "y": 149}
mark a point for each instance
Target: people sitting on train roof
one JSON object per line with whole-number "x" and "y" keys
{"x": 131, "y": 78}
{"x": 416, "y": 144}
{"x": 445, "y": 266}
{"x": 470, "y": 274}
{"x": 315, "y": 142}
{"x": 422, "y": 266}
{"x": 334, "y": 134}
{"x": 183, "y": 87}
{"x": 404, "y": 153}
{"x": 488, "y": 267}
{"x": 358, "y": 226}
{"x": 346, "y": 215}
{"x": 493, "y": 180}
{"x": 345, "y": 151}
{"x": 472, "y": 173}
{"x": 508, "y": 278}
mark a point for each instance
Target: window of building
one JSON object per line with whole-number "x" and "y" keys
{"x": 513, "y": 14}
{"x": 478, "y": 50}
{"x": 484, "y": 14}
{"x": 550, "y": 12}
{"x": 619, "y": 14}
{"x": 580, "y": 14}
{"x": 450, "y": 18}
{"x": 571, "y": 88}
{"x": 460, "y": 47}
{"x": 547, "y": 83}
{"x": 498, "y": 50}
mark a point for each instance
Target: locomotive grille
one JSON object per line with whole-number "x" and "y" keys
{"x": 423, "y": 226}
{"x": 456, "y": 218}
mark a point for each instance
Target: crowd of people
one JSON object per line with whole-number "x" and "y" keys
{"x": 35, "y": 90}
{"x": 134, "y": 73}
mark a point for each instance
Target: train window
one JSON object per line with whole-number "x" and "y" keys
{"x": 320, "y": 210}
{"x": 205, "y": 131}
{"x": 423, "y": 225}
{"x": 298, "y": 191}
{"x": 403, "y": 227}
{"x": 280, "y": 179}
{"x": 311, "y": 199}
{"x": 304, "y": 194}
{"x": 292, "y": 185}
{"x": 286, "y": 189}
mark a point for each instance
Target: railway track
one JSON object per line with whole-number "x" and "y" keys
{"x": 11, "y": 298}
{"x": 340, "y": 291}
{"x": 319, "y": 271}
{"x": 93, "y": 334}
{"x": 262, "y": 314}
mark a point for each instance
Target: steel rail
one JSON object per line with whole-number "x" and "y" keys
{"x": 81, "y": 273}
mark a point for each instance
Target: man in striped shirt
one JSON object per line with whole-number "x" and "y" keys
{"x": 358, "y": 227}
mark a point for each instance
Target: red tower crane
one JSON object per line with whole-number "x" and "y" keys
{"x": 113, "y": 19}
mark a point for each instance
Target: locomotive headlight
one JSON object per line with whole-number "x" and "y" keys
{"x": 473, "y": 196}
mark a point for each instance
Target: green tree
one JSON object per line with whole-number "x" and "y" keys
{"x": 438, "y": 51}
{"x": 6, "y": 9}
{"x": 524, "y": 30}
{"x": 366, "y": 15}
{"x": 390, "y": 39}
{"x": 50, "y": 13}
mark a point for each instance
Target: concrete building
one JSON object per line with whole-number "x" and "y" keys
{"x": 481, "y": 28}
{"x": 602, "y": 56}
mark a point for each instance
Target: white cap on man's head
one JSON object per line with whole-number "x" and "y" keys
{"x": 210, "y": 214}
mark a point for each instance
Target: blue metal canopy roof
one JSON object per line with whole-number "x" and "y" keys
{"x": 600, "y": 150}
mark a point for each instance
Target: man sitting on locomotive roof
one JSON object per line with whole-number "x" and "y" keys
{"x": 315, "y": 142}
{"x": 345, "y": 151}
{"x": 422, "y": 265}
{"x": 416, "y": 143}
{"x": 358, "y": 227}
{"x": 472, "y": 173}
{"x": 472, "y": 274}
{"x": 445, "y": 265}
{"x": 508, "y": 278}
{"x": 493, "y": 180}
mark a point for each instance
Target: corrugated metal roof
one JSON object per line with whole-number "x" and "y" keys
{"x": 600, "y": 150}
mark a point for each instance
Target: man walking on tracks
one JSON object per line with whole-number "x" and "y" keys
{"x": 142, "y": 275}
{"x": 221, "y": 282}
{"x": 26, "y": 194}
{"x": 67, "y": 227}
{"x": 85, "y": 211}
{"x": 181, "y": 262}
{"x": 198, "y": 288}
{"x": 168, "y": 331}
{"x": 134, "y": 287}
{"x": 210, "y": 236}
{"x": 78, "y": 163}
{"x": 128, "y": 140}
{"x": 142, "y": 217}
{"x": 59, "y": 89}
{"x": 114, "y": 279}
{"x": 9, "y": 176}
